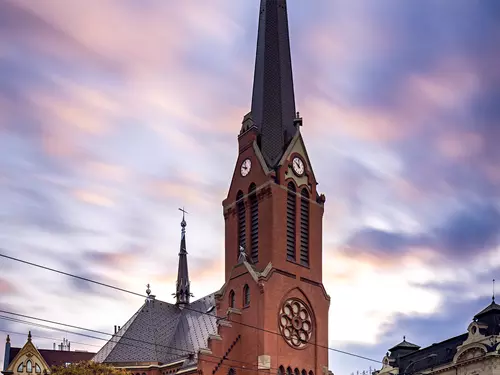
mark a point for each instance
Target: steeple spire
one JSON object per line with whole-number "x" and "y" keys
{"x": 273, "y": 100}
{"x": 183, "y": 293}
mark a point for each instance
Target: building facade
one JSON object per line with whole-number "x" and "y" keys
{"x": 30, "y": 360}
{"x": 476, "y": 352}
{"x": 271, "y": 314}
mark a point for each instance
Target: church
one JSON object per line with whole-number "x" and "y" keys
{"x": 271, "y": 314}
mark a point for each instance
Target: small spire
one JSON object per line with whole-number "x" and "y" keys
{"x": 404, "y": 338}
{"x": 8, "y": 339}
{"x": 29, "y": 336}
{"x": 148, "y": 290}
{"x": 493, "y": 296}
{"x": 182, "y": 293}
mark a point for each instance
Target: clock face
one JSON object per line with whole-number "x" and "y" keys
{"x": 245, "y": 167}
{"x": 298, "y": 166}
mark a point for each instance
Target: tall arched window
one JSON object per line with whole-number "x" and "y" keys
{"x": 246, "y": 296}
{"x": 290, "y": 221}
{"x": 281, "y": 370}
{"x": 29, "y": 366}
{"x": 304, "y": 372}
{"x": 38, "y": 370}
{"x": 254, "y": 224}
{"x": 20, "y": 368}
{"x": 232, "y": 299}
{"x": 296, "y": 371}
{"x": 289, "y": 371}
{"x": 304, "y": 227}
{"x": 242, "y": 223}
{"x": 231, "y": 372}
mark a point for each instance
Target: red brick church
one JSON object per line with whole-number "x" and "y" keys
{"x": 271, "y": 314}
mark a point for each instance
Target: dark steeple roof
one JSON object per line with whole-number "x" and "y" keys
{"x": 182, "y": 293}
{"x": 405, "y": 345}
{"x": 273, "y": 100}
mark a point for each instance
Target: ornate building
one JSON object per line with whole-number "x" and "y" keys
{"x": 30, "y": 360}
{"x": 476, "y": 352}
{"x": 271, "y": 314}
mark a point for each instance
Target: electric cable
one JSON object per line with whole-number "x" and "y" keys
{"x": 185, "y": 307}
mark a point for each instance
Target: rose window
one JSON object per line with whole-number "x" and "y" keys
{"x": 295, "y": 323}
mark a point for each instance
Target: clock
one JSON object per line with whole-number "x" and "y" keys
{"x": 298, "y": 166}
{"x": 245, "y": 167}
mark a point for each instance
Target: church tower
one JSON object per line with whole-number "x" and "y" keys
{"x": 273, "y": 229}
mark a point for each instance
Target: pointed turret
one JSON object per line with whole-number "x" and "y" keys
{"x": 6, "y": 360}
{"x": 273, "y": 100}
{"x": 183, "y": 293}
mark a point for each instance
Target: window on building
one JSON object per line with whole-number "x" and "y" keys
{"x": 281, "y": 370}
{"x": 290, "y": 222}
{"x": 304, "y": 228}
{"x": 231, "y": 372}
{"x": 246, "y": 295}
{"x": 242, "y": 223}
{"x": 29, "y": 366}
{"x": 304, "y": 372}
{"x": 20, "y": 368}
{"x": 296, "y": 371}
{"x": 38, "y": 370}
{"x": 254, "y": 224}
{"x": 289, "y": 371}
{"x": 231, "y": 299}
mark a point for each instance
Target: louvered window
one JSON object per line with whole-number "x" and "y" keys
{"x": 242, "y": 224}
{"x": 290, "y": 222}
{"x": 304, "y": 228}
{"x": 254, "y": 224}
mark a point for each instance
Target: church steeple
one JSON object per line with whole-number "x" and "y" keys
{"x": 183, "y": 292}
{"x": 273, "y": 100}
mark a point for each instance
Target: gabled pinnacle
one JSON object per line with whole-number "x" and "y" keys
{"x": 182, "y": 293}
{"x": 273, "y": 99}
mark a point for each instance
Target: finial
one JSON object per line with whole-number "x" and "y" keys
{"x": 493, "y": 296}
{"x": 8, "y": 339}
{"x": 29, "y": 336}
{"x": 148, "y": 291}
{"x": 183, "y": 222}
{"x": 404, "y": 338}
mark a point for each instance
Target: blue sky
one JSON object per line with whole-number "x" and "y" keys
{"x": 114, "y": 114}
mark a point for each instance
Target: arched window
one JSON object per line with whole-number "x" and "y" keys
{"x": 20, "y": 368}
{"x": 242, "y": 223}
{"x": 29, "y": 366}
{"x": 290, "y": 222}
{"x": 38, "y": 370}
{"x": 289, "y": 371}
{"x": 281, "y": 370}
{"x": 246, "y": 295}
{"x": 304, "y": 372}
{"x": 296, "y": 371}
{"x": 231, "y": 372}
{"x": 311, "y": 372}
{"x": 304, "y": 227}
{"x": 254, "y": 224}
{"x": 231, "y": 299}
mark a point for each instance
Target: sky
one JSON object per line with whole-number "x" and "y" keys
{"x": 113, "y": 114}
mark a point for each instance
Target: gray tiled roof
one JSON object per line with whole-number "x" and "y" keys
{"x": 162, "y": 332}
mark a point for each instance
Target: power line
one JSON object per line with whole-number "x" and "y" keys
{"x": 118, "y": 342}
{"x": 45, "y": 337}
{"x": 185, "y": 307}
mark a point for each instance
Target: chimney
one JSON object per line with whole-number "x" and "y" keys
{"x": 116, "y": 330}
{"x": 54, "y": 346}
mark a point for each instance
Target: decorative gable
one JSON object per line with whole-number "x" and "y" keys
{"x": 28, "y": 361}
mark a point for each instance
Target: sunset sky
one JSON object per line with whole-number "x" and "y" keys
{"x": 115, "y": 113}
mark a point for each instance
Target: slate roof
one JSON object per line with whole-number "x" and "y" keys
{"x": 57, "y": 357}
{"x": 273, "y": 98}
{"x": 162, "y": 332}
